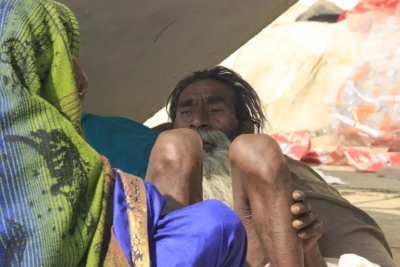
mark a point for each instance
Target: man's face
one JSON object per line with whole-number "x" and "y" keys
{"x": 208, "y": 105}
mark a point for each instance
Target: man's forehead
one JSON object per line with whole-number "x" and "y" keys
{"x": 207, "y": 89}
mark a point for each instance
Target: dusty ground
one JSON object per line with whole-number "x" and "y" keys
{"x": 380, "y": 197}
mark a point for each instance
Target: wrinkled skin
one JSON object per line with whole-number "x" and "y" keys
{"x": 281, "y": 227}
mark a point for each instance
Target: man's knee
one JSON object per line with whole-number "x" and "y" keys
{"x": 258, "y": 153}
{"x": 255, "y": 147}
{"x": 178, "y": 146}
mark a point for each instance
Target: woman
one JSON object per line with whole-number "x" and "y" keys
{"x": 61, "y": 203}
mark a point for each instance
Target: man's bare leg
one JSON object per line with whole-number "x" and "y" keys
{"x": 262, "y": 197}
{"x": 176, "y": 168}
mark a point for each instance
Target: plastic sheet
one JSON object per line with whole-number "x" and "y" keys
{"x": 367, "y": 103}
{"x": 293, "y": 67}
{"x": 365, "y": 6}
{"x": 298, "y": 145}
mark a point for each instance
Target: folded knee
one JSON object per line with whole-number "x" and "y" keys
{"x": 256, "y": 148}
{"x": 178, "y": 145}
{"x": 258, "y": 154}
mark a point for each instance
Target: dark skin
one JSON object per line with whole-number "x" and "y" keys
{"x": 177, "y": 157}
{"x": 261, "y": 181}
{"x": 177, "y": 176}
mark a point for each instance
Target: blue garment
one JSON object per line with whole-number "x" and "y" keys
{"x": 208, "y": 233}
{"x": 125, "y": 143}
{"x": 205, "y": 234}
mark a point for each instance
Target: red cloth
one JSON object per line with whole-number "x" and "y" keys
{"x": 369, "y": 5}
{"x": 297, "y": 145}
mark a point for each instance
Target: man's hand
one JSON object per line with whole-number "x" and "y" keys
{"x": 307, "y": 224}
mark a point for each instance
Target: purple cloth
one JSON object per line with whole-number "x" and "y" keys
{"x": 205, "y": 234}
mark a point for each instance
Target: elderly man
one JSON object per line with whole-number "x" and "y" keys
{"x": 248, "y": 172}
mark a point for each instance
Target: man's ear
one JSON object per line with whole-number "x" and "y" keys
{"x": 247, "y": 127}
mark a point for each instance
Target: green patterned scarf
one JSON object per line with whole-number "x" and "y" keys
{"x": 54, "y": 191}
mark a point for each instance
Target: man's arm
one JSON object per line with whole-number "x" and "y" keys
{"x": 314, "y": 258}
{"x": 347, "y": 229}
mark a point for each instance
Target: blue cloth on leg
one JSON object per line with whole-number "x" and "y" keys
{"x": 125, "y": 143}
{"x": 208, "y": 233}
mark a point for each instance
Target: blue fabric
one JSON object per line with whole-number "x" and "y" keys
{"x": 208, "y": 233}
{"x": 205, "y": 234}
{"x": 125, "y": 143}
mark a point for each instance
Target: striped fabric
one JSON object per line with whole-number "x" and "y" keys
{"x": 55, "y": 191}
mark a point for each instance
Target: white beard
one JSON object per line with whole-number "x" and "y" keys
{"x": 218, "y": 187}
{"x": 217, "y": 182}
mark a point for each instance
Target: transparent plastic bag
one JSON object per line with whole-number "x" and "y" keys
{"x": 365, "y": 6}
{"x": 367, "y": 103}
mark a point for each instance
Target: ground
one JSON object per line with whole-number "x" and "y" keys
{"x": 378, "y": 196}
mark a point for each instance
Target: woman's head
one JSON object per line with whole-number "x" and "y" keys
{"x": 45, "y": 161}
{"x": 38, "y": 45}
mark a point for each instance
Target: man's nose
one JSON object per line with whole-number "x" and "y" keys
{"x": 200, "y": 120}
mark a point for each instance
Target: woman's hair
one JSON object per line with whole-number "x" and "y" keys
{"x": 248, "y": 105}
